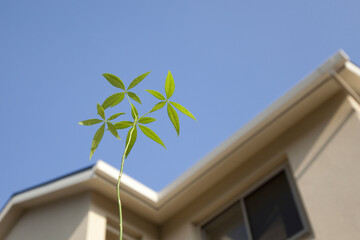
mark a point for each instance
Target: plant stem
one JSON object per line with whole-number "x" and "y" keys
{"x": 121, "y": 172}
{"x": 119, "y": 181}
{"x": 145, "y": 114}
{"x": 131, "y": 103}
{"x": 119, "y": 203}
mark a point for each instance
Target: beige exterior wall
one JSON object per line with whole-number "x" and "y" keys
{"x": 62, "y": 219}
{"x": 135, "y": 227}
{"x": 322, "y": 151}
{"x": 86, "y": 216}
{"x": 327, "y": 171}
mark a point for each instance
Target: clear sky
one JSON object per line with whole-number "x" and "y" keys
{"x": 230, "y": 60}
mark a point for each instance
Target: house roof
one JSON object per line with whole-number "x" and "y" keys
{"x": 311, "y": 92}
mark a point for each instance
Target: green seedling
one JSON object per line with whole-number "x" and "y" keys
{"x": 136, "y": 121}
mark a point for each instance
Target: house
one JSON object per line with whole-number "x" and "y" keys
{"x": 291, "y": 173}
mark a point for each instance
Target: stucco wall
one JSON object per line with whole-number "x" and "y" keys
{"x": 86, "y": 216}
{"x": 323, "y": 152}
{"x": 62, "y": 219}
{"x": 135, "y": 226}
{"x": 327, "y": 171}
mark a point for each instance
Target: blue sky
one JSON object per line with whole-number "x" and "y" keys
{"x": 230, "y": 60}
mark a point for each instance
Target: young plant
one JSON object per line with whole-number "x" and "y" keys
{"x": 137, "y": 121}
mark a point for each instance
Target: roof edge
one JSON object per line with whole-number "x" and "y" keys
{"x": 111, "y": 173}
{"x": 49, "y": 187}
{"x": 191, "y": 175}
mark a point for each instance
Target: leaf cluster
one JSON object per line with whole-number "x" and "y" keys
{"x": 137, "y": 121}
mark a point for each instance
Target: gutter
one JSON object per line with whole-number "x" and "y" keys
{"x": 253, "y": 127}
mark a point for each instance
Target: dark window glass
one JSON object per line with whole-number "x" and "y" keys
{"x": 272, "y": 211}
{"x": 229, "y": 225}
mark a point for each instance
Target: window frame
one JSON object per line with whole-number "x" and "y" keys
{"x": 306, "y": 231}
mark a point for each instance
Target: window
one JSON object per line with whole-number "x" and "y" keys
{"x": 269, "y": 212}
{"x": 228, "y": 225}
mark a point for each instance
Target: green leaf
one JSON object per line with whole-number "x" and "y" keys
{"x": 156, "y": 94}
{"x": 137, "y": 80}
{"x": 97, "y": 138}
{"x": 145, "y": 120}
{"x": 112, "y": 129}
{"x": 123, "y": 124}
{"x": 158, "y": 106}
{"x": 113, "y": 100}
{"x": 90, "y": 122}
{"x": 101, "y": 111}
{"x": 173, "y": 118}
{"x": 183, "y": 110}
{"x": 115, "y": 116}
{"x": 132, "y": 140}
{"x": 134, "y": 112}
{"x": 118, "y": 100}
{"x": 134, "y": 96}
{"x": 169, "y": 85}
{"x": 114, "y": 80}
{"x": 149, "y": 133}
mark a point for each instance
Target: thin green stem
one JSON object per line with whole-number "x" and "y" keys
{"x": 121, "y": 172}
{"x": 119, "y": 181}
{"x": 131, "y": 104}
{"x": 128, "y": 99}
{"x": 145, "y": 114}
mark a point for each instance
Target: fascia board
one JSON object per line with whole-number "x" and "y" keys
{"x": 138, "y": 189}
{"x": 200, "y": 169}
